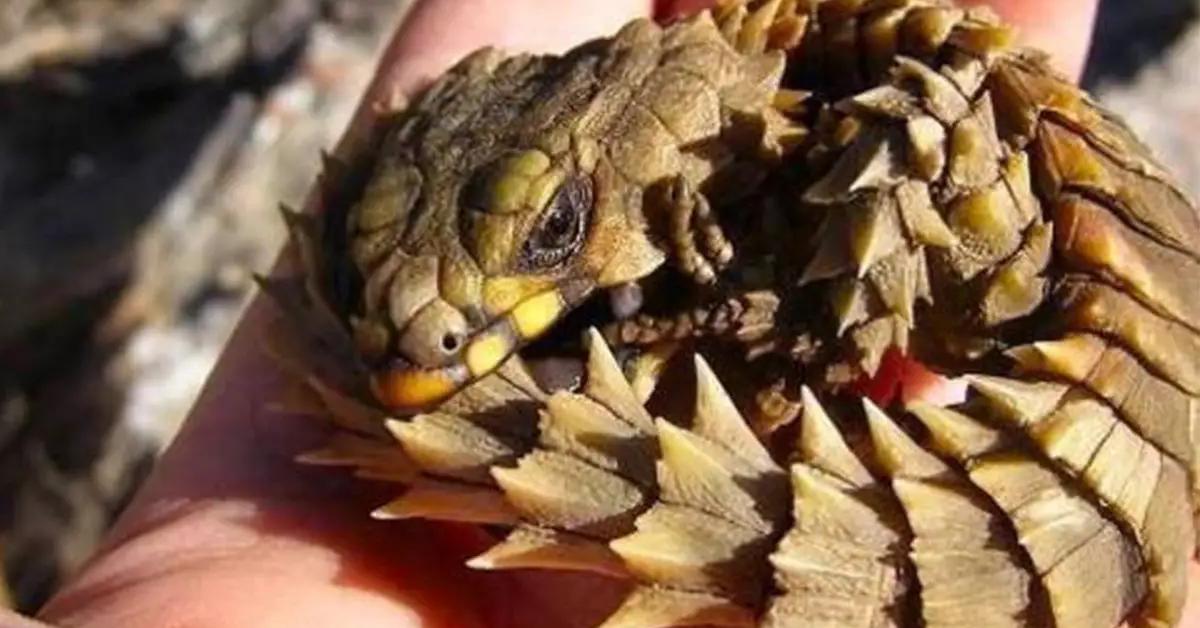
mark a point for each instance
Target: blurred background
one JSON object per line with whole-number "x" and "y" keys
{"x": 144, "y": 148}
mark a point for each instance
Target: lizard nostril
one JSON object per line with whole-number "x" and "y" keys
{"x": 451, "y": 342}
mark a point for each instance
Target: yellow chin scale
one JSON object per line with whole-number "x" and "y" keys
{"x": 415, "y": 388}
{"x": 527, "y": 320}
{"x": 487, "y": 351}
{"x": 534, "y": 315}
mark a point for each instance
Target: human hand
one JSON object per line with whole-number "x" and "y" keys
{"x": 230, "y": 532}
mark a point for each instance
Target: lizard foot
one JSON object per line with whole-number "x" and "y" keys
{"x": 697, "y": 241}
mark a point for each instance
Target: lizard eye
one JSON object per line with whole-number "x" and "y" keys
{"x": 560, "y": 231}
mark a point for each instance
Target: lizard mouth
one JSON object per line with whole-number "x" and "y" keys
{"x": 405, "y": 386}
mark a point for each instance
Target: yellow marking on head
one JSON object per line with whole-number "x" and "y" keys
{"x": 509, "y": 185}
{"x": 501, "y": 294}
{"x": 486, "y": 352}
{"x": 534, "y": 315}
{"x": 508, "y": 193}
{"x": 412, "y": 388}
{"x": 493, "y": 240}
{"x": 530, "y": 163}
{"x": 543, "y": 188}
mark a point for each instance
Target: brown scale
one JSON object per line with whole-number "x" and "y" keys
{"x": 968, "y": 204}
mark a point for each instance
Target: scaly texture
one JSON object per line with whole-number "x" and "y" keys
{"x": 786, "y": 190}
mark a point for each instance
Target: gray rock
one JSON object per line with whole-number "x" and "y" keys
{"x": 144, "y": 148}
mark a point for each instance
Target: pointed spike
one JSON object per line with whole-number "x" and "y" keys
{"x": 921, "y": 218}
{"x": 822, "y": 446}
{"x": 442, "y": 501}
{"x": 790, "y": 100}
{"x": 873, "y": 162}
{"x": 718, "y": 420}
{"x": 664, "y": 608}
{"x": 975, "y": 150}
{"x": 989, "y": 227}
{"x": 700, "y": 474}
{"x": 368, "y": 456}
{"x": 895, "y": 281}
{"x": 684, "y": 548}
{"x": 556, "y": 490}
{"x": 942, "y": 98}
{"x": 607, "y": 384}
{"x": 832, "y": 257}
{"x": 575, "y": 424}
{"x": 648, "y": 367}
{"x": 1019, "y": 401}
{"x": 827, "y": 508}
{"x": 955, "y": 434}
{"x": 874, "y": 232}
{"x": 885, "y": 100}
{"x": 450, "y": 446}
{"x": 1072, "y": 357}
{"x": 752, "y": 38}
{"x": 896, "y": 451}
{"x": 850, "y": 303}
{"x": 731, "y": 20}
{"x": 529, "y": 547}
{"x": 347, "y": 411}
{"x": 927, "y": 147}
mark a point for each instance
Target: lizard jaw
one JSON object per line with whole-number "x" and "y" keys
{"x": 408, "y": 387}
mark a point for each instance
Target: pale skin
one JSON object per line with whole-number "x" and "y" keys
{"x": 228, "y": 531}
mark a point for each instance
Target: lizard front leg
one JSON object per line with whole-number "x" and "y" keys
{"x": 697, "y": 242}
{"x": 746, "y": 317}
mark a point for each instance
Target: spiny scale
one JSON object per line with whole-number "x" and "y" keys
{"x": 977, "y": 523}
{"x": 969, "y": 199}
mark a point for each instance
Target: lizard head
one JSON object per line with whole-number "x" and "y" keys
{"x": 517, "y": 186}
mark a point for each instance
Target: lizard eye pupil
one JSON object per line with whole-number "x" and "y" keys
{"x": 559, "y": 233}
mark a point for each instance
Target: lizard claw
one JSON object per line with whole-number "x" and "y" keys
{"x": 698, "y": 243}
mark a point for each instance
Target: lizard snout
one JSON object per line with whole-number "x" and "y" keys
{"x": 439, "y": 355}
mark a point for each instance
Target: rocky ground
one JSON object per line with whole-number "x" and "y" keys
{"x": 144, "y": 145}
{"x": 144, "y": 148}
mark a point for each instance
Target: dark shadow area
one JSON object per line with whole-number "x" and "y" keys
{"x": 1132, "y": 33}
